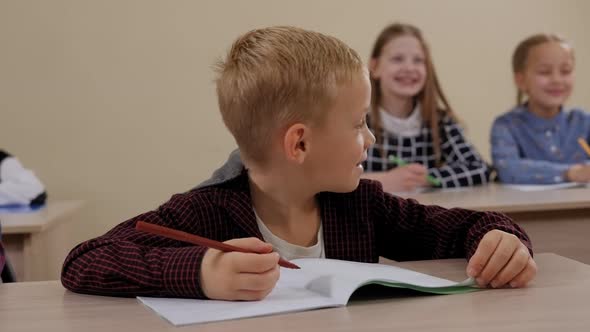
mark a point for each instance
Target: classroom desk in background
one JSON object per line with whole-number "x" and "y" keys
{"x": 557, "y": 220}
{"x": 31, "y": 242}
{"x": 556, "y": 300}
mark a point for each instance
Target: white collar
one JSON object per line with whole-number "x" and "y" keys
{"x": 410, "y": 126}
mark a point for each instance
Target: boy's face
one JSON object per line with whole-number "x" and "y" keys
{"x": 548, "y": 76}
{"x": 401, "y": 67}
{"x": 339, "y": 145}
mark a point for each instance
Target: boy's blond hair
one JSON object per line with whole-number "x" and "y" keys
{"x": 278, "y": 76}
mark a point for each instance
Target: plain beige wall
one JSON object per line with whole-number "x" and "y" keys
{"x": 112, "y": 101}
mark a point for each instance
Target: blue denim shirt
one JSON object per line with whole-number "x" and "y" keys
{"x": 2, "y": 257}
{"x": 527, "y": 149}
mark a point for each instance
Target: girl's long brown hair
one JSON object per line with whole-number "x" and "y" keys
{"x": 431, "y": 96}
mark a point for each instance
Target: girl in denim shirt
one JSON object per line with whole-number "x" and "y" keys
{"x": 537, "y": 141}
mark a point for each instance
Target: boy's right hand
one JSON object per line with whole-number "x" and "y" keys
{"x": 240, "y": 276}
{"x": 578, "y": 173}
{"x": 405, "y": 178}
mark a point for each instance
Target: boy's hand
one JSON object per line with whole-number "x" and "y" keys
{"x": 501, "y": 259}
{"x": 240, "y": 276}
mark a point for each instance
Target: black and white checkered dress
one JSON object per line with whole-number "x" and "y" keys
{"x": 462, "y": 164}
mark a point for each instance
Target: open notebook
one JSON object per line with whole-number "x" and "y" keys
{"x": 320, "y": 283}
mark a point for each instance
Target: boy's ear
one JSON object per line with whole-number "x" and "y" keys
{"x": 296, "y": 142}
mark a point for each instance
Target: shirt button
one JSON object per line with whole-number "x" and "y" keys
{"x": 553, "y": 148}
{"x": 548, "y": 133}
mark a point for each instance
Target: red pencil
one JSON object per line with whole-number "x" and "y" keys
{"x": 199, "y": 240}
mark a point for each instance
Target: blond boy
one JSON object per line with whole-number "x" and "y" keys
{"x": 296, "y": 103}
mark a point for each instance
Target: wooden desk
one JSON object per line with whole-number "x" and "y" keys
{"x": 557, "y": 220}
{"x": 557, "y": 300}
{"x": 496, "y": 197}
{"x": 28, "y": 237}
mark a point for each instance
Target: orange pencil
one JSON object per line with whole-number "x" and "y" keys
{"x": 199, "y": 240}
{"x": 584, "y": 145}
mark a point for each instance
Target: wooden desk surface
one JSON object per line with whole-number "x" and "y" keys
{"x": 38, "y": 221}
{"x": 495, "y": 197}
{"x": 556, "y": 301}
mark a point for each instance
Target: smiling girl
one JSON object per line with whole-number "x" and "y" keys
{"x": 536, "y": 142}
{"x": 409, "y": 123}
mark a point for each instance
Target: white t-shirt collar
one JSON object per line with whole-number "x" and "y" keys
{"x": 410, "y": 126}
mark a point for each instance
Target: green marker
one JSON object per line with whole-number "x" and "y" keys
{"x": 400, "y": 162}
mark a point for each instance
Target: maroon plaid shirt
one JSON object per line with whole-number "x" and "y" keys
{"x": 358, "y": 226}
